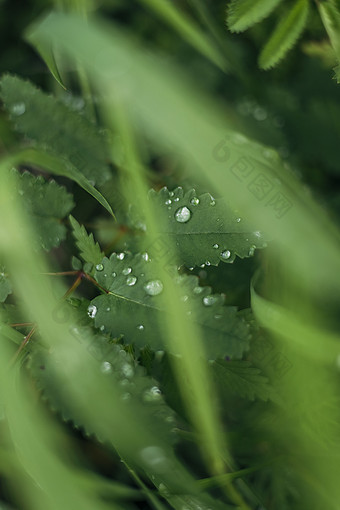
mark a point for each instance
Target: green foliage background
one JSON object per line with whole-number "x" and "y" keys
{"x": 174, "y": 343}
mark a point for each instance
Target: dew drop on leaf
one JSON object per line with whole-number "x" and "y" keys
{"x": 91, "y": 311}
{"x": 154, "y": 287}
{"x": 120, "y": 256}
{"x": 168, "y": 202}
{"x": 18, "y": 109}
{"x": 153, "y": 394}
{"x": 131, "y": 280}
{"x": 140, "y": 327}
{"x": 106, "y": 367}
{"x": 198, "y": 290}
{"x": 209, "y": 300}
{"x": 155, "y": 458}
{"x": 195, "y": 201}
{"x": 226, "y": 254}
{"x": 182, "y": 215}
{"x": 215, "y": 246}
{"x": 126, "y": 271}
{"x": 99, "y": 267}
{"x": 145, "y": 256}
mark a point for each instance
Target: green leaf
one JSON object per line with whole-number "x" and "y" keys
{"x": 135, "y": 387}
{"x": 242, "y": 379}
{"x": 5, "y": 285}
{"x": 330, "y": 16}
{"x": 46, "y": 203}
{"x": 133, "y": 307}
{"x": 89, "y": 249}
{"x": 55, "y": 128}
{"x": 285, "y": 35}
{"x": 212, "y": 233}
{"x": 61, "y": 167}
{"x": 242, "y": 14}
{"x": 46, "y": 52}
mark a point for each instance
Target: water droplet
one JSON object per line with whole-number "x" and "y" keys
{"x": 154, "y": 287}
{"x": 114, "y": 274}
{"x": 176, "y": 199}
{"x": 171, "y": 194}
{"x": 18, "y": 109}
{"x": 195, "y": 201}
{"x": 102, "y": 328}
{"x": 210, "y": 300}
{"x": 252, "y": 250}
{"x": 99, "y": 267}
{"x": 91, "y": 311}
{"x": 238, "y": 220}
{"x": 120, "y": 256}
{"x": 257, "y": 233}
{"x": 207, "y": 263}
{"x": 184, "y": 298}
{"x": 216, "y": 246}
{"x": 213, "y": 202}
{"x": 168, "y": 202}
{"x": 155, "y": 458}
{"x": 127, "y": 370}
{"x": 140, "y": 327}
{"x": 145, "y": 256}
{"x": 131, "y": 280}
{"x": 226, "y": 254}
{"x": 108, "y": 309}
{"x": 126, "y": 271}
{"x": 183, "y": 214}
{"x": 198, "y": 290}
{"x": 106, "y": 367}
{"x": 260, "y": 114}
{"x": 202, "y": 265}
{"x": 270, "y": 154}
{"x": 218, "y": 316}
{"x": 152, "y": 394}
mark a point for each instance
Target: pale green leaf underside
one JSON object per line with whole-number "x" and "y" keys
{"x": 52, "y": 126}
{"x": 242, "y": 14}
{"x": 285, "y": 35}
{"x": 130, "y": 311}
{"x": 242, "y": 379}
{"x": 214, "y": 232}
{"x": 89, "y": 249}
{"x": 46, "y": 203}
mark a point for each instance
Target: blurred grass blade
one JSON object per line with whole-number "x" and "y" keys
{"x": 168, "y": 11}
{"x": 46, "y": 53}
{"x": 312, "y": 342}
{"x": 285, "y": 35}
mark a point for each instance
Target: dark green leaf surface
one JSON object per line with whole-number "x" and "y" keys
{"x": 242, "y": 379}
{"x": 46, "y": 203}
{"x": 130, "y": 309}
{"x": 52, "y": 126}
{"x": 212, "y": 232}
{"x": 242, "y": 14}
